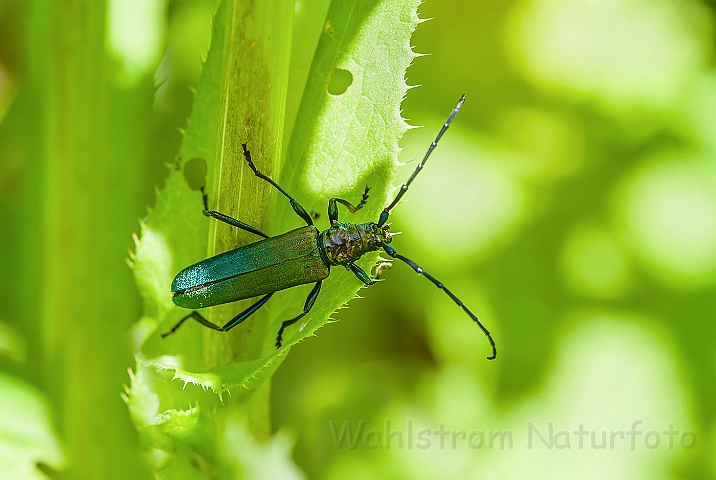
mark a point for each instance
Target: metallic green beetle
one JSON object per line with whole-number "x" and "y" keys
{"x": 301, "y": 256}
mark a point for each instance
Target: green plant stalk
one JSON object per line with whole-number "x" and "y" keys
{"x": 251, "y": 110}
{"x": 240, "y": 98}
{"x": 88, "y": 300}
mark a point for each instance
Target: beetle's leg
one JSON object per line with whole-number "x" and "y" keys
{"x": 196, "y": 316}
{"x": 418, "y": 269}
{"x": 360, "y": 273}
{"x": 333, "y": 208}
{"x": 404, "y": 188}
{"x": 227, "y": 219}
{"x": 300, "y": 211}
{"x": 205, "y": 199}
{"x": 306, "y": 308}
{"x": 231, "y": 324}
{"x": 246, "y": 313}
{"x": 234, "y": 223}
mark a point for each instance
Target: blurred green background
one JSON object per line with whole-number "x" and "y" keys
{"x": 572, "y": 205}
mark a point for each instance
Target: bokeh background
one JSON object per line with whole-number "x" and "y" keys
{"x": 572, "y": 205}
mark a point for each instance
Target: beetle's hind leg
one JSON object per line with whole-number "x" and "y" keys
{"x": 196, "y": 316}
{"x": 333, "y": 208}
{"x": 306, "y": 308}
{"x": 300, "y": 211}
{"x": 246, "y": 313}
{"x": 229, "y": 325}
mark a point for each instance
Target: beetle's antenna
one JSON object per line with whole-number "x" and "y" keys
{"x": 404, "y": 188}
{"x": 419, "y": 270}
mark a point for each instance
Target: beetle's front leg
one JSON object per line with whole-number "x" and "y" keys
{"x": 361, "y": 274}
{"x": 333, "y": 207}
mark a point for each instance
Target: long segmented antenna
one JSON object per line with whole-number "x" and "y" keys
{"x": 419, "y": 270}
{"x": 404, "y": 188}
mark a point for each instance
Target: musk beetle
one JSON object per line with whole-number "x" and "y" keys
{"x": 301, "y": 256}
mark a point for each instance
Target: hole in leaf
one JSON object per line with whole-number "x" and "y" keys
{"x": 195, "y": 173}
{"x": 340, "y": 81}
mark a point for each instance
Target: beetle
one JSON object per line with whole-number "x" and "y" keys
{"x": 301, "y": 256}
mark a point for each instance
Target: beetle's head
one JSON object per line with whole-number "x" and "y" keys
{"x": 385, "y": 233}
{"x": 378, "y": 235}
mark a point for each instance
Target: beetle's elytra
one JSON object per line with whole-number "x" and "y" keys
{"x": 301, "y": 256}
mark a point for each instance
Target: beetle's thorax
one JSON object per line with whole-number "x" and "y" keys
{"x": 345, "y": 243}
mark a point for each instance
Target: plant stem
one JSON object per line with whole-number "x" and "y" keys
{"x": 90, "y": 193}
{"x": 251, "y": 111}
